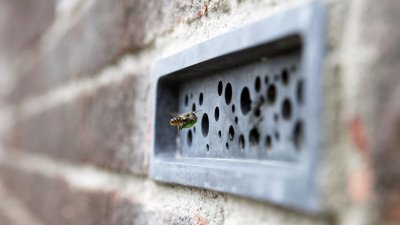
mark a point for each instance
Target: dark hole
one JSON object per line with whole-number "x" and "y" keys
{"x": 257, "y": 84}
{"x": 227, "y": 145}
{"x": 298, "y": 135}
{"x": 216, "y": 113}
{"x": 286, "y": 109}
{"x": 228, "y": 93}
{"x": 241, "y": 142}
{"x": 191, "y": 95}
{"x": 205, "y": 125}
{"x": 254, "y": 136}
{"x": 271, "y": 94}
{"x": 277, "y": 136}
{"x": 208, "y": 147}
{"x": 186, "y": 100}
{"x": 231, "y": 133}
{"x": 276, "y": 117}
{"x": 220, "y": 87}
{"x": 268, "y": 141}
{"x": 219, "y": 134}
{"x": 194, "y": 129}
{"x": 189, "y": 138}
{"x": 236, "y": 120}
{"x": 285, "y": 76}
{"x": 299, "y": 91}
{"x": 194, "y": 107}
{"x": 201, "y": 98}
{"x": 245, "y": 101}
{"x": 257, "y": 112}
{"x": 233, "y": 108}
{"x": 266, "y": 80}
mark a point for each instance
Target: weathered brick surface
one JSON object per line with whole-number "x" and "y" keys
{"x": 22, "y": 22}
{"x": 126, "y": 212}
{"x": 106, "y": 31}
{"x": 53, "y": 201}
{"x": 382, "y": 83}
{"x": 106, "y": 128}
{"x": 5, "y": 220}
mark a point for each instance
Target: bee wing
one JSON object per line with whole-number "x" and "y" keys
{"x": 175, "y": 114}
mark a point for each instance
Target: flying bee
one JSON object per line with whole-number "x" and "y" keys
{"x": 185, "y": 120}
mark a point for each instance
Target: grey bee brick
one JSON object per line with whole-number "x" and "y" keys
{"x": 95, "y": 128}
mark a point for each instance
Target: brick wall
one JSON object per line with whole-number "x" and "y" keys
{"x": 76, "y": 112}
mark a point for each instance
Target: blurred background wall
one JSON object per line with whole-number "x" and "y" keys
{"x": 76, "y": 119}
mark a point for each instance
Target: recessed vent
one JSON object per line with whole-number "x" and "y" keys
{"x": 258, "y": 92}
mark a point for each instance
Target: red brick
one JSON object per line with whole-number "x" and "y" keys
{"x": 23, "y": 22}
{"x": 108, "y": 30}
{"x": 379, "y": 30}
{"x": 53, "y": 201}
{"x": 5, "y": 220}
{"x": 95, "y": 128}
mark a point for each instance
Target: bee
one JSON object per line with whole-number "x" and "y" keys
{"x": 185, "y": 120}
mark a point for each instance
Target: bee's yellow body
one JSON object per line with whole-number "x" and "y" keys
{"x": 185, "y": 120}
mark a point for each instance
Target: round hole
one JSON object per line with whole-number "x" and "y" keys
{"x": 298, "y": 135}
{"x": 285, "y": 76}
{"x": 257, "y": 112}
{"x": 266, "y": 80}
{"x": 194, "y": 107}
{"x": 241, "y": 142}
{"x": 227, "y": 145}
{"x": 233, "y": 108}
{"x": 220, "y": 87}
{"x": 268, "y": 141}
{"x": 236, "y": 120}
{"x": 257, "y": 84}
{"x": 189, "y": 138}
{"x": 245, "y": 101}
{"x": 205, "y": 125}
{"x": 207, "y": 147}
{"x": 277, "y": 136}
{"x": 299, "y": 91}
{"x": 254, "y": 137}
{"x": 228, "y": 93}
{"x": 271, "y": 94}
{"x": 231, "y": 133}
{"x": 216, "y": 113}
{"x": 201, "y": 98}
{"x": 219, "y": 134}
{"x": 186, "y": 100}
{"x": 286, "y": 109}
